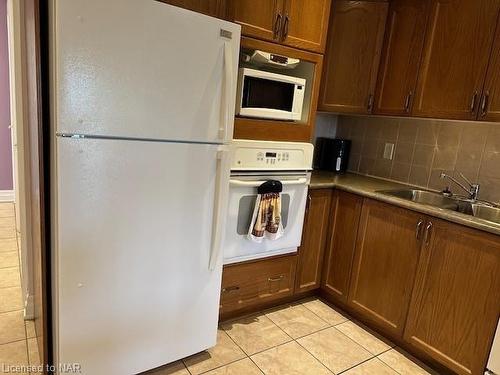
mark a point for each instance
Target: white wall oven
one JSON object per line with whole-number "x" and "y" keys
{"x": 252, "y": 164}
{"x": 269, "y": 95}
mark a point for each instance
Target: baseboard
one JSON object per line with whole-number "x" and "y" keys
{"x": 7, "y": 196}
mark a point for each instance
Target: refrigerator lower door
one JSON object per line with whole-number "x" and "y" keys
{"x": 143, "y": 69}
{"x": 133, "y": 285}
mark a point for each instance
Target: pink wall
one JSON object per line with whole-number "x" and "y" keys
{"x": 5, "y": 140}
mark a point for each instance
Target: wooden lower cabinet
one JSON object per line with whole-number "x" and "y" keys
{"x": 344, "y": 221}
{"x": 385, "y": 262}
{"x": 456, "y": 300}
{"x": 254, "y": 283}
{"x": 310, "y": 261}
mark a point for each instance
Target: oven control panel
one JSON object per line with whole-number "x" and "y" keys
{"x": 262, "y": 155}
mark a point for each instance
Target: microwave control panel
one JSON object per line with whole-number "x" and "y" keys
{"x": 279, "y": 158}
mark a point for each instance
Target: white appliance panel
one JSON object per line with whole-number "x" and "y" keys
{"x": 145, "y": 69}
{"x": 494, "y": 359}
{"x": 134, "y": 228}
{"x": 237, "y": 246}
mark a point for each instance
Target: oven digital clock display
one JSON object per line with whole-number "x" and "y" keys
{"x": 270, "y": 154}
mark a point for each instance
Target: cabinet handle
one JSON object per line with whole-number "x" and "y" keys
{"x": 275, "y": 279}
{"x": 428, "y": 230}
{"x": 408, "y": 101}
{"x": 369, "y": 106}
{"x": 418, "y": 229}
{"x": 473, "y": 103}
{"x": 230, "y": 289}
{"x": 484, "y": 104}
{"x": 285, "y": 27}
{"x": 277, "y": 26}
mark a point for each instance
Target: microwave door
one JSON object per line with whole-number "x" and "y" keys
{"x": 269, "y": 95}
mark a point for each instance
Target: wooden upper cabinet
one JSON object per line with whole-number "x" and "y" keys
{"x": 214, "y": 8}
{"x": 344, "y": 221}
{"x": 305, "y": 24}
{"x": 385, "y": 262}
{"x": 314, "y": 236}
{"x": 353, "y": 48}
{"x": 489, "y": 109}
{"x": 457, "y": 48}
{"x": 456, "y": 299}
{"x": 261, "y": 19}
{"x": 403, "y": 44}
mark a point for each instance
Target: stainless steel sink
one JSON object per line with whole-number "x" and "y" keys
{"x": 474, "y": 208}
{"x": 424, "y": 197}
{"x": 486, "y": 213}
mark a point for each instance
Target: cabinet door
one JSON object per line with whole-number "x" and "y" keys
{"x": 313, "y": 240}
{"x": 261, "y": 19}
{"x": 344, "y": 221}
{"x": 404, "y": 40}
{"x": 490, "y": 102}
{"x": 214, "y": 8}
{"x": 456, "y": 300}
{"x": 305, "y": 24}
{"x": 353, "y": 49}
{"x": 456, "y": 52}
{"x": 385, "y": 262}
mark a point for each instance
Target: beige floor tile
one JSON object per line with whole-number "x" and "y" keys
{"x": 225, "y": 352}
{"x": 8, "y": 245}
{"x": 12, "y": 327}
{"x": 335, "y": 350}
{"x": 10, "y": 299}
{"x": 13, "y": 354}
{"x": 371, "y": 367}
{"x": 289, "y": 359}
{"x": 33, "y": 354}
{"x": 297, "y": 320}
{"x": 403, "y": 364}
{"x": 176, "y": 368}
{"x": 367, "y": 340}
{"x": 10, "y": 277}
{"x": 30, "y": 328}
{"x": 255, "y": 333}
{"x": 9, "y": 259}
{"x": 241, "y": 367}
{"x": 325, "y": 312}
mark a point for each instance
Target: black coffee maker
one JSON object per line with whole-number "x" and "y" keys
{"x": 332, "y": 154}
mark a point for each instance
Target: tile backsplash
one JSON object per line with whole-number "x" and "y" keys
{"x": 425, "y": 148}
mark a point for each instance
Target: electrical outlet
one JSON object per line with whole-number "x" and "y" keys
{"x": 389, "y": 151}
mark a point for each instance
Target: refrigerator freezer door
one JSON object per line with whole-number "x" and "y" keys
{"x": 144, "y": 69}
{"x": 133, "y": 286}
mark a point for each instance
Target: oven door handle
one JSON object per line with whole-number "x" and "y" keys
{"x": 299, "y": 181}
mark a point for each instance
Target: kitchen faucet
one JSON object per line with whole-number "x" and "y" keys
{"x": 472, "y": 190}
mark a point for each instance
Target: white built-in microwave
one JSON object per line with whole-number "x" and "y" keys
{"x": 269, "y": 95}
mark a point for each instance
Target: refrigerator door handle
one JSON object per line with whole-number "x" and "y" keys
{"x": 226, "y": 102}
{"x": 220, "y": 205}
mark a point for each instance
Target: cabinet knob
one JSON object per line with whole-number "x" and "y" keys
{"x": 408, "y": 101}
{"x": 275, "y": 279}
{"x": 230, "y": 289}
{"x": 428, "y": 230}
{"x": 369, "y": 106}
{"x": 418, "y": 229}
{"x": 484, "y": 103}
{"x": 277, "y": 26}
{"x": 285, "y": 27}
{"x": 473, "y": 103}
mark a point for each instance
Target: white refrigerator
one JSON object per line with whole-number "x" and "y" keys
{"x": 142, "y": 108}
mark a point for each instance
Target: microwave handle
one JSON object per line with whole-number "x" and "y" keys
{"x": 299, "y": 181}
{"x": 226, "y": 107}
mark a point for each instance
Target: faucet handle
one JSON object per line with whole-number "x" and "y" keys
{"x": 465, "y": 179}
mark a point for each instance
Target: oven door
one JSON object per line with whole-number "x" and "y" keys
{"x": 242, "y": 196}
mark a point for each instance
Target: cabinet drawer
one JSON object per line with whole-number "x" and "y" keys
{"x": 250, "y": 284}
